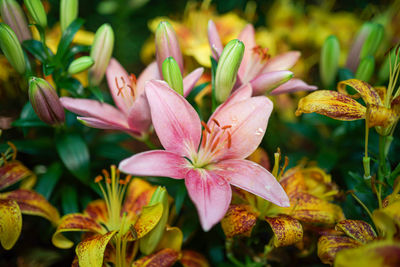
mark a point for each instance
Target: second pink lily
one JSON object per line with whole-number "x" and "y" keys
{"x": 212, "y": 159}
{"x": 264, "y": 74}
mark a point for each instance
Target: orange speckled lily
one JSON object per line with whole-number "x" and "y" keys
{"x": 381, "y": 109}
{"x": 20, "y": 201}
{"x": 309, "y": 190}
{"x": 113, "y": 224}
{"x": 354, "y": 237}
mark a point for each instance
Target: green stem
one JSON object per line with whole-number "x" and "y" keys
{"x": 148, "y": 143}
{"x": 362, "y": 204}
{"x": 230, "y": 255}
{"x": 384, "y": 145}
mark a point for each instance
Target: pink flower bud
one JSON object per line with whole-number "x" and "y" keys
{"x": 12, "y": 14}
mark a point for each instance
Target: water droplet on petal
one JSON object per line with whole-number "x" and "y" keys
{"x": 259, "y": 131}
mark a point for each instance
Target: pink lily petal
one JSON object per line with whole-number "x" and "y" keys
{"x": 248, "y": 120}
{"x": 244, "y": 92}
{"x": 149, "y": 73}
{"x": 254, "y": 178}
{"x": 282, "y": 62}
{"x": 139, "y": 115}
{"x": 247, "y": 36}
{"x": 116, "y": 74}
{"x": 214, "y": 40}
{"x": 210, "y": 193}
{"x": 293, "y": 85}
{"x": 155, "y": 163}
{"x": 100, "y": 124}
{"x": 190, "y": 80}
{"x": 270, "y": 80}
{"x": 175, "y": 121}
{"x": 95, "y": 109}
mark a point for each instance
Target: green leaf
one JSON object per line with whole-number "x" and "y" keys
{"x": 214, "y": 65}
{"x": 72, "y": 85}
{"x": 36, "y": 49}
{"x": 180, "y": 197}
{"x": 74, "y": 153}
{"x": 96, "y": 91}
{"x": 48, "y": 68}
{"x": 76, "y": 49}
{"x": 28, "y": 118}
{"x": 48, "y": 180}
{"x": 69, "y": 200}
{"x": 67, "y": 38}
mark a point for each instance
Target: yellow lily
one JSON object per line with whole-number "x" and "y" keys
{"x": 308, "y": 188}
{"x": 382, "y": 109}
{"x": 115, "y": 225}
{"x": 20, "y": 201}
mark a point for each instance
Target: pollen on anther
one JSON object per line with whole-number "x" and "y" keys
{"x": 128, "y": 179}
{"x": 105, "y": 173}
{"x": 108, "y": 180}
{"x": 226, "y": 127}
{"x": 229, "y": 140}
{"x": 216, "y": 122}
{"x": 98, "y": 179}
{"x": 122, "y": 182}
{"x": 205, "y": 127}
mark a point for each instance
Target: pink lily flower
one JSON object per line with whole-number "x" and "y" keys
{"x": 132, "y": 113}
{"x": 212, "y": 159}
{"x": 265, "y": 74}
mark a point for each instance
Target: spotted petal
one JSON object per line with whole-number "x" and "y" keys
{"x": 32, "y": 203}
{"x": 13, "y": 172}
{"x": 358, "y": 230}
{"x": 97, "y": 210}
{"x": 147, "y": 220}
{"x": 192, "y": 258}
{"x": 366, "y": 91}
{"x": 332, "y": 104}
{"x": 90, "y": 251}
{"x": 287, "y": 230}
{"x": 163, "y": 258}
{"x": 137, "y": 196}
{"x": 74, "y": 223}
{"x": 328, "y": 246}
{"x": 211, "y": 195}
{"x": 240, "y": 219}
{"x": 175, "y": 121}
{"x": 10, "y": 223}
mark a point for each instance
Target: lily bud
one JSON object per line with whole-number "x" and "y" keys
{"x": 12, "y": 14}
{"x": 36, "y": 9}
{"x": 228, "y": 66}
{"x": 373, "y": 41}
{"x": 167, "y": 45}
{"x": 329, "y": 64}
{"x": 172, "y": 74}
{"x": 80, "y": 64}
{"x": 45, "y": 101}
{"x": 68, "y": 13}
{"x": 365, "y": 69}
{"x": 149, "y": 242}
{"x": 101, "y": 52}
{"x": 12, "y": 48}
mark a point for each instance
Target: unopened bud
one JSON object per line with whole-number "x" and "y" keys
{"x": 45, "y": 101}
{"x": 101, "y": 52}
{"x": 330, "y": 54}
{"x": 373, "y": 41}
{"x": 167, "y": 45}
{"x": 172, "y": 74}
{"x": 227, "y": 69}
{"x": 36, "y": 10}
{"x": 365, "y": 69}
{"x": 149, "y": 242}
{"x": 12, "y": 48}
{"x": 68, "y": 13}
{"x": 12, "y": 14}
{"x": 80, "y": 64}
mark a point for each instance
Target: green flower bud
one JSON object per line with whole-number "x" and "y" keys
{"x": 80, "y": 64}
{"x": 101, "y": 52}
{"x": 68, "y": 13}
{"x": 365, "y": 69}
{"x": 329, "y": 64}
{"x": 12, "y": 14}
{"x": 227, "y": 69}
{"x": 149, "y": 242}
{"x": 45, "y": 101}
{"x": 36, "y": 9}
{"x": 12, "y": 48}
{"x": 172, "y": 74}
{"x": 384, "y": 71}
{"x": 373, "y": 40}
